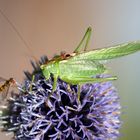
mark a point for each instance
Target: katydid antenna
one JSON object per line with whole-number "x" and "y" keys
{"x": 20, "y": 36}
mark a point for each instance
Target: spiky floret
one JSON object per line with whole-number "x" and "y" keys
{"x": 31, "y": 115}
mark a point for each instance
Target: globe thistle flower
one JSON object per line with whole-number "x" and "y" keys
{"x": 35, "y": 113}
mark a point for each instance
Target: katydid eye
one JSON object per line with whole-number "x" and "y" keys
{"x": 67, "y": 55}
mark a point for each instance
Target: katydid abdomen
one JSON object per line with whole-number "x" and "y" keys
{"x": 79, "y": 69}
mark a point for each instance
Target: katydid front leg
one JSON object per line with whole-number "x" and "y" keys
{"x": 55, "y": 77}
{"x": 33, "y": 79}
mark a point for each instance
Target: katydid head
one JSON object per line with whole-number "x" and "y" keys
{"x": 45, "y": 71}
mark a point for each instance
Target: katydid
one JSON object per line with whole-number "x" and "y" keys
{"x": 82, "y": 67}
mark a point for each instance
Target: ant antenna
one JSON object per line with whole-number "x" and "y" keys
{"x": 20, "y": 36}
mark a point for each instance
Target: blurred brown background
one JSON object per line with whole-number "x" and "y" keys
{"x": 51, "y": 26}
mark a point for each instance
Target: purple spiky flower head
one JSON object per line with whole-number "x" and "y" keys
{"x": 31, "y": 115}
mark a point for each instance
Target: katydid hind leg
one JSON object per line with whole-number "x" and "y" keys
{"x": 96, "y": 80}
{"x": 84, "y": 42}
{"x": 84, "y": 80}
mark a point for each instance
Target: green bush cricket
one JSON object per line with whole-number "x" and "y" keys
{"x": 82, "y": 67}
